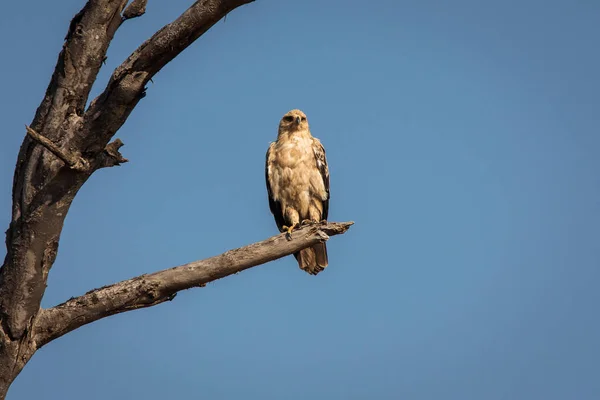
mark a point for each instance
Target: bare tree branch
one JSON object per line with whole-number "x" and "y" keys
{"x": 136, "y": 8}
{"x": 44, "y": 186}
{"x": 112, "y": 156}
{"x": 73, "y": 161}
{"x": 43, "y": 189}
{"x": 152, "y": 289}
{"x": 60, "y": 119}
{"x": 126, "y": 87}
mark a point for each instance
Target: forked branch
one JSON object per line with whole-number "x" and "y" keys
{"x": 36, "y": 223}
{"x": 158, "y": 287}
{"x": 127, "y": 85}
{"x": 44, "y": 189}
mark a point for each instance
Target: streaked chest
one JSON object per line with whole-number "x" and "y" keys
{"x": 294, "y": 175}
{"x": 294, "y": 153}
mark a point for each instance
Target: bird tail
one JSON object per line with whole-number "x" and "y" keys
{"x": 313, "y": 259}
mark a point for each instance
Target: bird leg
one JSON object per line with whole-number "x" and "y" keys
{"x": 289, "y": 230}
{"x": 291, "y": 216}
{"x": 307, "y": 222}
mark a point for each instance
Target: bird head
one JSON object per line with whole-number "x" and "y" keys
{"x": 293, "y": 121}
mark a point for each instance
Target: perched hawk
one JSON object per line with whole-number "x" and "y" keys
{"x": 298, "y": 184}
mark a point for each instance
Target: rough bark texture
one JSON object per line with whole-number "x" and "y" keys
{"x": 63, "y": 146}
{"x": 43, "y": 187}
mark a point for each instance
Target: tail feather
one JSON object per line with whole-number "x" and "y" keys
{"x": 313, "y": 259}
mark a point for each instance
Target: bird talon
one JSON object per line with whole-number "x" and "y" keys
{"x": 289, "y": 230}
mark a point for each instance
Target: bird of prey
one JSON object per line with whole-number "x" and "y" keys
{"x": 298, "y": 184}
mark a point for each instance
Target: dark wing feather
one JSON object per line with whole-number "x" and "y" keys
{"x": 274, "y": 205}
{"x": 324, "y": 170}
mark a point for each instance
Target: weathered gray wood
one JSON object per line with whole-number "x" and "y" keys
{"x": 136, "y": 8}
{"x": 74, "y": 161}
{"x": 149, "y": 290}
{"x": 71, "y": 144}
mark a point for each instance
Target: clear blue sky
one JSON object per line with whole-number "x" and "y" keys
{"x": 462, "y": 138}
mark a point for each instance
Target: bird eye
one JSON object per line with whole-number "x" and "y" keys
{"x": 288, "y": 118}
{"x": 303, "y": 118}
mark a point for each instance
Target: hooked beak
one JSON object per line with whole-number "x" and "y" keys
{"x": 298, "y": 120}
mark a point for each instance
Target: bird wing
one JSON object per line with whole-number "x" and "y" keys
{"x": 321, "y": 159}
{"x": 274, "y": 205}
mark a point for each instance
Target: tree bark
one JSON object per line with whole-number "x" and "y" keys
{"x": 65, "y": 144}
{"x": 158, "y": 287}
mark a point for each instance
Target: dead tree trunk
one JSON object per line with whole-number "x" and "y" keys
{"x": 65, "y": 144}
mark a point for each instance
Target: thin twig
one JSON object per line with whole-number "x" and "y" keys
{"x": 74, "y": 162}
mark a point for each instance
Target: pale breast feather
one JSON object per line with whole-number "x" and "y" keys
{"x": 272, "y": 188}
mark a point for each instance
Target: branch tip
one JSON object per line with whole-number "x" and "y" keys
{"x": 135, "y": 9}
{"x": 113, "y": 156}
